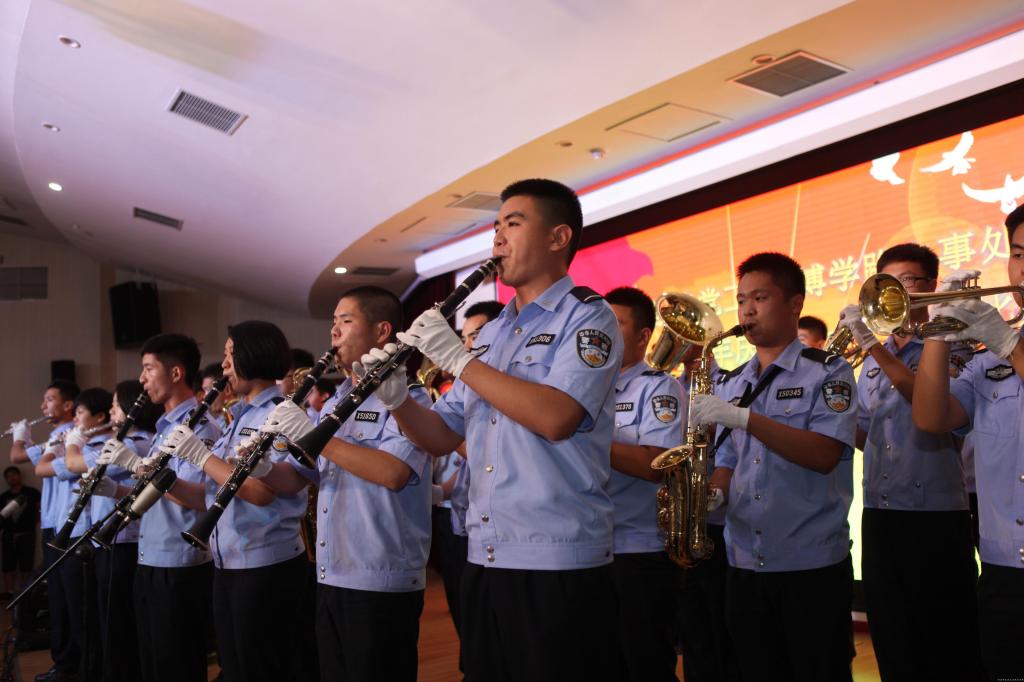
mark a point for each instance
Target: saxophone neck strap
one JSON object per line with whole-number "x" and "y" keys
{"x": 749, "y": 396}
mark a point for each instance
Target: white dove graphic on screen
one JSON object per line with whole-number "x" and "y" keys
{"x": 1007, "y": 195}
{"x": 883, "y": 169}
{"x": 957, "y": 160}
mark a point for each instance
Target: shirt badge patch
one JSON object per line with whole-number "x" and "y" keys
{"x": 623, "y": 407}
{"x": 999, "y": 372}
{"x": 367, "y": 416}
{"x": 789, "y": 393}
{"x": 666, "y": 407}
{"x": 873, "y": 372}
{"x": 593, "y": 346}
{"x": 838, "y": 395}
{"x": 541, "y": 340}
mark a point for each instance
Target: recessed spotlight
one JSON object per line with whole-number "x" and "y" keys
{"x": 762, "y": 59}
{"x": 51, "y": 127}
{"x": 340, "y": 270}
{"x": 55, "y": 186}
{"x": 69, "y": 42}
{"x": 564, "y": 144}
{"x": 382, "y": 240}
{"x": 596, "y": 153}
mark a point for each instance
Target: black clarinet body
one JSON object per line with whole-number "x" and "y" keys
{"x": 309, "y": 447}
{"x": 199, "y": 534}
{"x": 121, "y": 518}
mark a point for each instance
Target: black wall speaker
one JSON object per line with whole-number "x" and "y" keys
{"x": 62, "y": 369}
{"x": 136, "y": 313}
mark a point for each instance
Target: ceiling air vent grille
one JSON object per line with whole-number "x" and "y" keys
{"x": 207, "y": 113}
{"x": 478, "y": 201}
{"x": 790, "y": 74}
{"x": 369, "y": 271}
{"x": 159, "y": 219}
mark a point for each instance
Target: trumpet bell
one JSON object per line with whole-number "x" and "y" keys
{"x": 671, "y": 458}
{"x": 682, "y": 322}
{"x": 884, "y": 303}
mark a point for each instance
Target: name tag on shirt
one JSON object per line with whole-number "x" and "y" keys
{"x": 623, "y": 407}
{"x": 367, "y": 416}
{"x": 541, "y": 340}
{"x": 789, "y": 393}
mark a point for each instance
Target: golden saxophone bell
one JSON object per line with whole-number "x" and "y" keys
{"x": 671, "y": 458}
{"x": 433, "y": 379}
{"x": 683, "y": 321}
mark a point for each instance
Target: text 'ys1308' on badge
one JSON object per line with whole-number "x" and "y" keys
{"x": 593, "y": 346}
{"x": 838, "y": 395}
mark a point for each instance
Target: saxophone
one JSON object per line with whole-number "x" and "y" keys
{"x": 683, "y": 500}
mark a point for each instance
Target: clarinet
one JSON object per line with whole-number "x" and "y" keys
{"x": 88, "y": 486}
{"x": 199, "y": 534}
{"x": 106, "y": 535}
{"x": 309, "y": 447}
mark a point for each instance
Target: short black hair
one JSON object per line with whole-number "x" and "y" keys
{"x": 96, "y": 400}
{"x": 68, "y": 389}
{"x": 1014, "y": 220}
{"x": 639, "y": 304}
{"x": 911, "y": 253}
{"x": 557, "y": 202}
{"x": 489, "y": 308}
{"x": 10, "y": 469}
{"x": 784, "y": 271}
{"x": 126, "y": 393}
{"x": 325, "y": 386}
{"x": 378, "y": 305}
{"x": 261, "y": 351}
{"x": 211, "y": 371}
{"x": 174, "y": 349}
{"x": 813, "y": 324}
{"x": 300, "y": 357}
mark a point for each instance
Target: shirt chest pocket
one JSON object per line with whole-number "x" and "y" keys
{"x": 791, "y": 406}
{"x": 997, "y": 410}
{"x": 627, "y": 422}
{"x": 364, "y": 426}
{"x": 532, "y": 363}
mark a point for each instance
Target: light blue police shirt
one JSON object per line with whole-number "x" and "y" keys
{"x": 367, "y": 536}
{"x": 139, "y": 442}
{"x": 533, "y": 503}
{"x": 648, "y": 409}
{"x": 247, "y": 535}
{"x": 460, "y": 500}
{"x": 782, "y": 516}
{"x": 160, "y": 541}
{"x": 905, "y": 468}
{"x": 68, "y": 483}
{"x": 990, "y": 392}
{"x": 48, "y": 503}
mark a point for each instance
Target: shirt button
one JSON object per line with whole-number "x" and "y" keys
{"x": 892, "y": 388}
{"x": 494, "y": 420}
{"x": 1020, "y": 522}
{"x": 528, "y": 358}
{"x": 485, "y": 518}
{"x": 788, "y": 410}
{"x": 885, "y": 477}
{"x": 757, "y": 460}
{"x": 490, "y": 557}
{"x": 325, "y": 510}
{"x": 323, "y": 543}
{"x": 489, "y": 468}
{"x": 760, "y": 564}
{"x": 884, "y": 496}
{"x": 518, "y": 330}
{"x": 489, "y": 549}
{"x": 917, "y": 484}
{"x": 757, "y": 497}
{"x": 757, "y": 532}
{"x": 323, "y": 577}
{"x": 142, "y": 554}
{"x": 995, "y": 394}
{"x": 1022, "y": 478}
{"x": 888, "y": 446}
{"x": 359, "y": 434}
{"x": 322, "y": 569}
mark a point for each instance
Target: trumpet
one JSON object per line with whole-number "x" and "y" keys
{"x": 30, "y": 424}
{"x": 841, "y": 343}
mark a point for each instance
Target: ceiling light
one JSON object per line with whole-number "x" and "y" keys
{"x": 596, "y": 153}
{"x": 564, "y": 144}
{"x": 56, "y": 187}
{"x": 69, "y": 42}
{"x": 51, "y": 127}
{"x": 762, "y": 59}
{"x": 340, "y": 270}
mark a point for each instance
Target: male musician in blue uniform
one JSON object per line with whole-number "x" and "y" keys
{"x": 986, "y": 398}
{"x": 173, "y": 579}
{"x": 373, "y": 512}
{"x": 917, "y": 559}
{"x": 58, "y": 406}
{"x": 649, "y": 416}
{"x": 790, "y": 413}
{"x": 812, "y": 331}
{"x": 535, "y": 405}
{"x": 261, "y": 575}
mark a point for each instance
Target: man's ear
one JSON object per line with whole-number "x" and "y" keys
{"x": 561, "y": 237}
{"x": 177, "y": 373}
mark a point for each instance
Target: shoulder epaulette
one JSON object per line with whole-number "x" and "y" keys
{"x": 137, "y": 437}
{"x": 652, "y": 373}
{"x": 818, "y": 355}
{"x": 277, "y": 399}
{"x": 724, "y": 376}
{"x": 586, "y": 294}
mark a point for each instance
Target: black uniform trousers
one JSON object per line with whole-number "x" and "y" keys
{"x": 115, "y": 580}
{"x": 540, "y": 626}
{"x": 791, "y": 625}
{"x": 647, "y": 586}
{"x": 1001, "y": 621}
{"x": 919, "y": 579}
{"x": 707, "y": 647}
{"x": 172, "y": 607}
{"x": 365, "y": 636}
{"x": 19, "y": 551}
{"x": 451, "y": 555}
{"x": 77, "y": 576}
{"x": 251, "y": 603}
{"x": 63, "y": 647}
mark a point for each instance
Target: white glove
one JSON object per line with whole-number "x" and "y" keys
{"x": 106, "y": 487}
{"x": 144, "y": 465}
{"x": 262, "y": 468}
{"x": 75, "y": 437}
{"x": 55, "y": 448}
{"x": 852, "y": 320}
{"x": 436, "y": 339}
{"x": 393, "y": 391}
{"x": 954, "y": 281}
{"x": 184, "y": 444}
{"x": 710, "y": 409}
{"x": 289, "y": 420}
{"x": 716, "y": 498}
{"x": 117, "y": 453}
{"x": 984, "y": 324}
{"x": 20, "y": 431}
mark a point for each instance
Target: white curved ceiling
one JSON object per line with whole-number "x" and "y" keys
{"x": 356, "y": 112}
